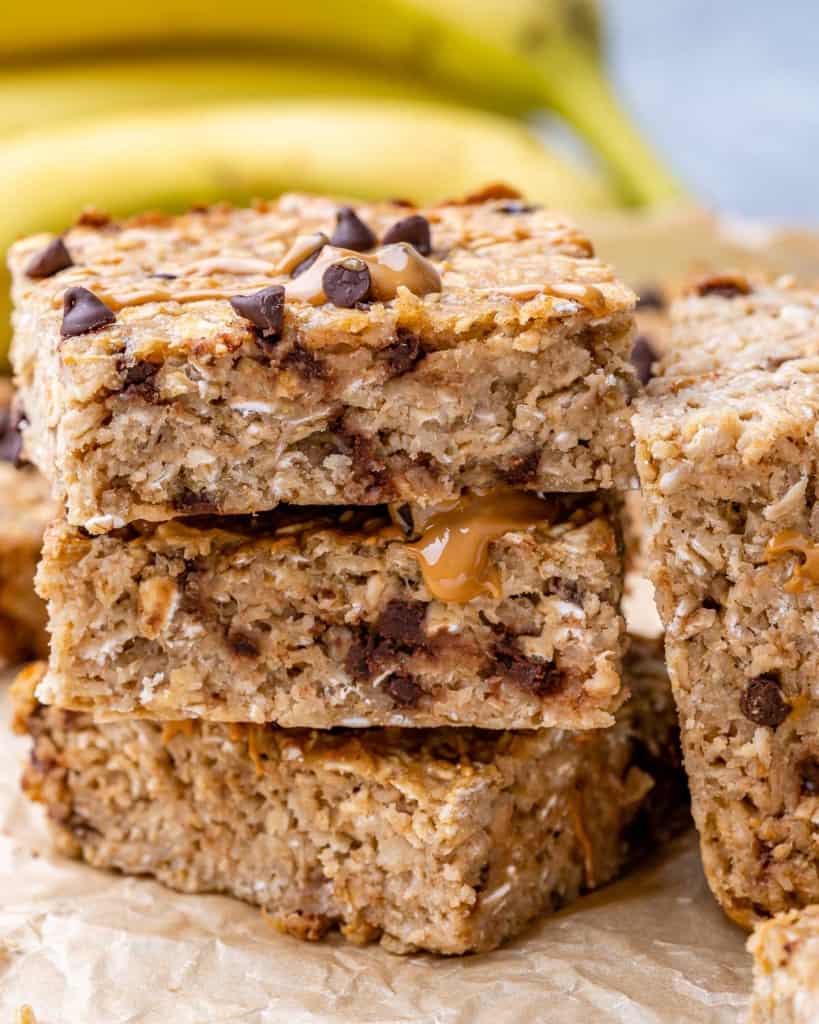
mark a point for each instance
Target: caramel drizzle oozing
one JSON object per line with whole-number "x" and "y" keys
{"x": 806, "y": 573}
{"x": 453, "y": 550}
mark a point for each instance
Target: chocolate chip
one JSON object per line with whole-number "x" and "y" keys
{"x": 243, "y": 645}
{"x": 404, "y": 690}
{"x": 517, "y": 206}
{"x": 404, "y": 353}
{"x": 402, "y": 622}
{"x": 138, "y": 379}
{"x": 728, "y": 286}
{"x": 541, "y": 678}
{"x": 194, "y": 502}
{"x": 762, "y": 702}
{"x": 404, "y": 516}
{"x": 11, "y": 440}
{"x": 643, "y": 357}
{"x": 651, "y": 297}
{"x": 413, "y": 229}
{"x": 351, "y": 232}
{"x": 305, "y": 363}
{"x": 264, "y": 309}
{"x": 164, "y": 277}
{"x": 808, "y": 769}
{"x": 51, "y": 260}
{"x": 84, "y": 312}
{"x": 347, "y": 282}
{"x": 521, "y": 468}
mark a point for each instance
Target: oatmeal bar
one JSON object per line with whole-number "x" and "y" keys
{"x": 230, "y": 360}
{"x": 447, "y": 840}
{"x": 786, "y": 969}
{"x": 328, "y": 616}
{"x": 727, "y": 456}
{"x": 25, "y": 508}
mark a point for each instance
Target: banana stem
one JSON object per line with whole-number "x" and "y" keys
{"x": 586, "y": 101}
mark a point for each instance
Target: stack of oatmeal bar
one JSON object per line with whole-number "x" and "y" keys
{"x": 334, "y": 600}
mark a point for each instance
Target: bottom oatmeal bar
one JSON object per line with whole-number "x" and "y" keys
{"x": 447, "y": 840}
{"x": 786, "y": 969}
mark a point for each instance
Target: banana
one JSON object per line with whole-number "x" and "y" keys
{"x": 172, "y": 159}
{"x": 446, "y": 43}
{"x": 32, "y": 97}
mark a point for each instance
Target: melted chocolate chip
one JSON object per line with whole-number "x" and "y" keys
{"x": 243, "y": 645}
{"x": 351, "y": 232}
{"x": 403, "y": 623}
{"x": 404, "y": 691}
{"x": 305, "y": 363}
{"x": 84, "y": 312}
{"x": 651, "y": 297}
{"x": 404, "y": 353}
{"x": 541, "y": 678}
{"x": 264, "y": 309}
{"x": 516, "y": 206}
{"x": 404, "y": 516}
{"x": 808, "y": 770}
{"x": 413, "y": 229}
{"x": 194, "y": 502}
{"x": 51, "y": 260}
{"x": 762, "y": 702}
{"x": 521, "y": 469}
{"x": 643, "y": 356}
{"x": 347, "y": 282}
{"x": 307, "y": 262}
{"x": 11, "y": 440}
{"x": 138, "y": 380}
{"x": 728, "y": 286}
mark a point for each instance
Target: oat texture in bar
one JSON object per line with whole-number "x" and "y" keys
{"x": 727, "y": 455}
{"x": 786, "y": 969}
{"x": 230, "y": 360}
{"x": 448, "y": 840}
{"x": 502, "y": 612}
{"x": 25, "y": 508}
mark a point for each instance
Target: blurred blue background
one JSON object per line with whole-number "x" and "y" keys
{"x": 729, "y": 91}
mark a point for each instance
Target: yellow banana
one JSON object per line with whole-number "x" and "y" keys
{"x": 445, "y": 43}
{"x": 174, "y": 158}
{"x": 33, "y": 96}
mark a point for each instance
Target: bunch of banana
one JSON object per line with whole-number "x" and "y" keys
{"x": 164, "y": 104}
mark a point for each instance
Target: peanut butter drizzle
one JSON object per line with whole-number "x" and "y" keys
{"x": 390, "y": 267}
{"x": 806, "y": 573}
{"x": 453, "y": 550}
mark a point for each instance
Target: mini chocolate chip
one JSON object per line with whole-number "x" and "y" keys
{"x": 651, "y": 297}
{"x": 264, "y": 309}
{"x": 404, "y": 353}
{"x": 762, "y": 702}
{"x": 517, "y": 206}
{"x": 347, "y": 282}
{"x": 84, "y": 312}
{"x": 11, "y": 440}
{"x": 643, "y": 357}
{"x": 728, "y": 286}
{"x": 403, "y": 623}
{"x": 808, "y": 769}
{"x": 413, "y": 229}
{"x": 51, "y": 260}
{"x": 404, "y": 690}
{"x": 351, "y": 232}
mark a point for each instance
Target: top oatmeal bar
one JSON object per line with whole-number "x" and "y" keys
{"x": 228, "y": 360}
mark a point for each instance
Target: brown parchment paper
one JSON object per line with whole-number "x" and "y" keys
{"x": 85, "y": 947}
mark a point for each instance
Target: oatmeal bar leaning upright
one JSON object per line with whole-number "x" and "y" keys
{"x": 727, "y": 456}
{"x": 226, "y": 361}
